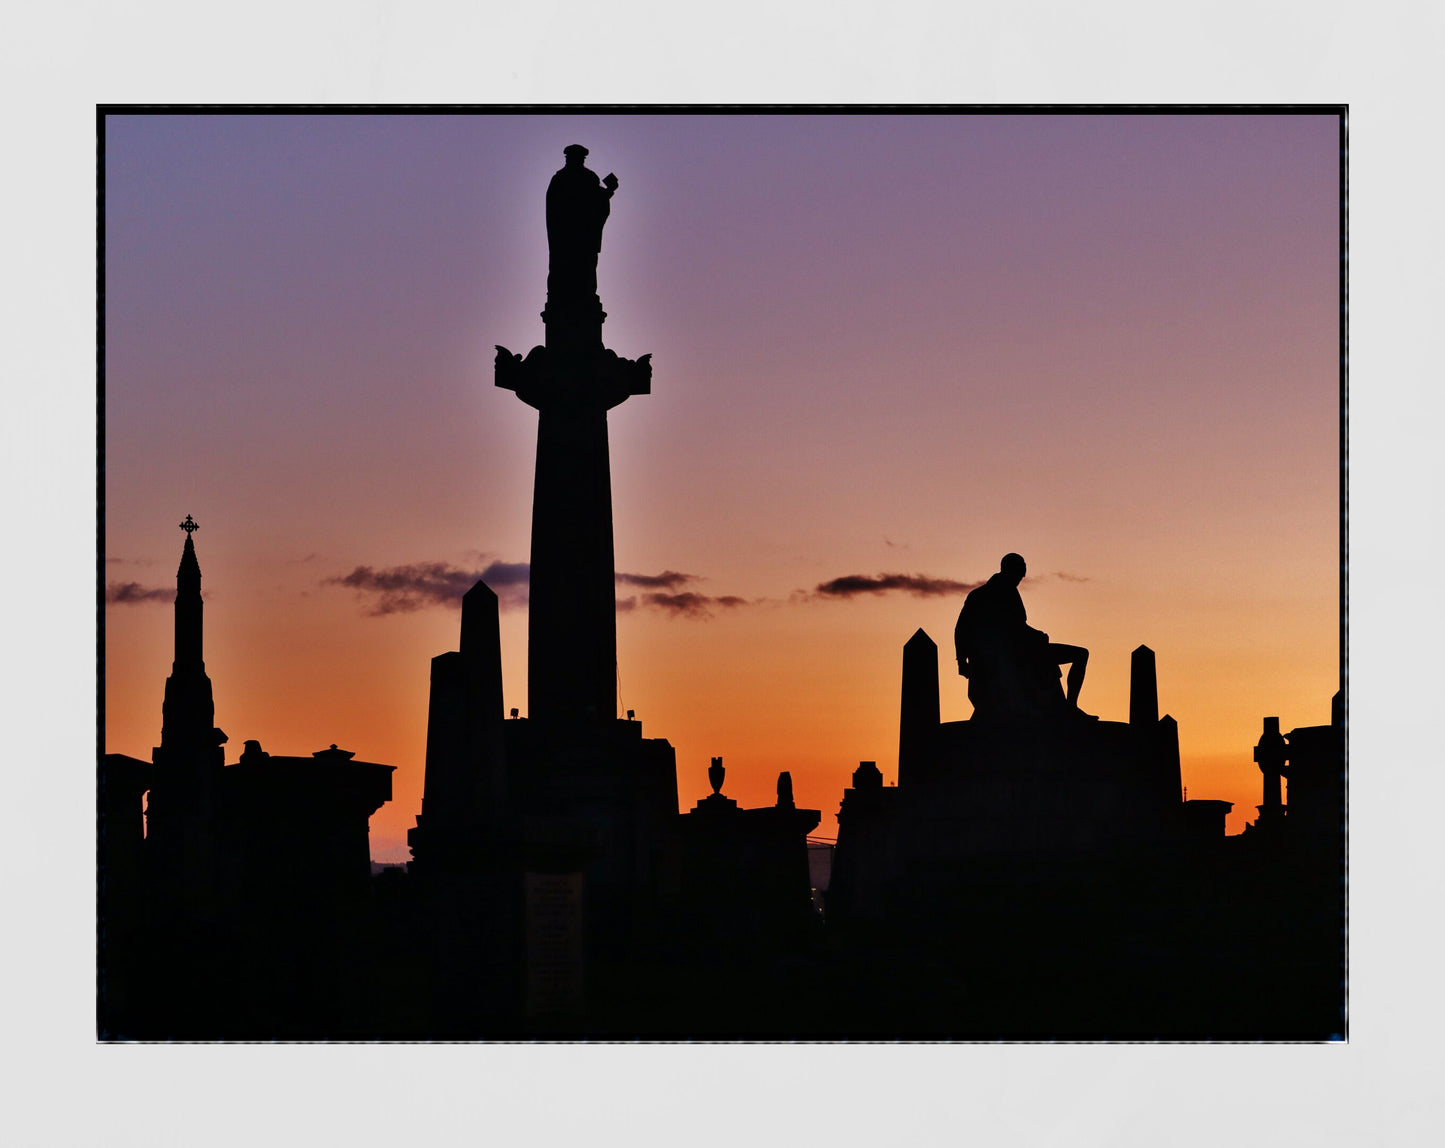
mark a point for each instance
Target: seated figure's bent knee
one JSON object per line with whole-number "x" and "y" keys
{"x": 1075, "y": 655}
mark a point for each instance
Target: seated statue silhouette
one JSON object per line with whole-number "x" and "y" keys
{"x": 1012, "y": 669}
{"x": 577, "y": 207}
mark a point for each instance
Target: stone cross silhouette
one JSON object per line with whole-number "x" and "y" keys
{"x": 189, "y": 525}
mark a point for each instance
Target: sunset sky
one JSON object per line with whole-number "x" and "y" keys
{"x": 882, "y": 345}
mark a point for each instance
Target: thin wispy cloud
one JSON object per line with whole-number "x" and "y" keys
{"x": 420, "y": 585}
{"x": 667, "y": 580}
{"x": 405, "y": 589}
{"x": 689, "y": 604}
{"x": 133, "y": 594}
{"x": 665, "y": 593}
{"x": 506, "y": 574}
{"x": 919, "y": 585}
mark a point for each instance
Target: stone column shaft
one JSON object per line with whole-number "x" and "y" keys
{"x": 572, "y": 613}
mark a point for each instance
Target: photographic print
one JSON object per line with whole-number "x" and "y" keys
{"x": 798, "y": 574}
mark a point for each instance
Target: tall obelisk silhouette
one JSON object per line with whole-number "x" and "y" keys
{"x": 573, "y": 381}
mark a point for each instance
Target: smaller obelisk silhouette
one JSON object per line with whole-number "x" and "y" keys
{"x": 918, "y": 714}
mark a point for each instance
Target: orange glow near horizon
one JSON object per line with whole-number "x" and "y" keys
{"x": 809, "y": 687}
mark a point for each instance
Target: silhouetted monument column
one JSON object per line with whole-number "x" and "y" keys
{"x": 573, "y": 381}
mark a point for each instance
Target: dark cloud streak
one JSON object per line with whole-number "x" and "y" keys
{"x": 506, "y": 574}
{"x": 133, "y": 593}
{"x": 689, "y": 604}
{"x": 418, "y": 585}
{"x": 404, "y": 589}
{"x": 667, "y": 580}
{"x": 920, "y": 585}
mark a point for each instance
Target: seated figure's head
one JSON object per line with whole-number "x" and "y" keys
{"x": 1012, "y": 567}
{"x": 575, "y": 153}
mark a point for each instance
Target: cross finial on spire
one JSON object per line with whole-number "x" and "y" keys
{"x": 190, "y": 525}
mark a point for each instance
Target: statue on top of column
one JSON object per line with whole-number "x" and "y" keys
{"x": 573, "y": 368}
{"x": 577, "y": 207}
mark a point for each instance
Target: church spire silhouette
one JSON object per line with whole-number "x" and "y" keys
{"x": 188, "y": 712}
{"x": 188, "y": 606}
